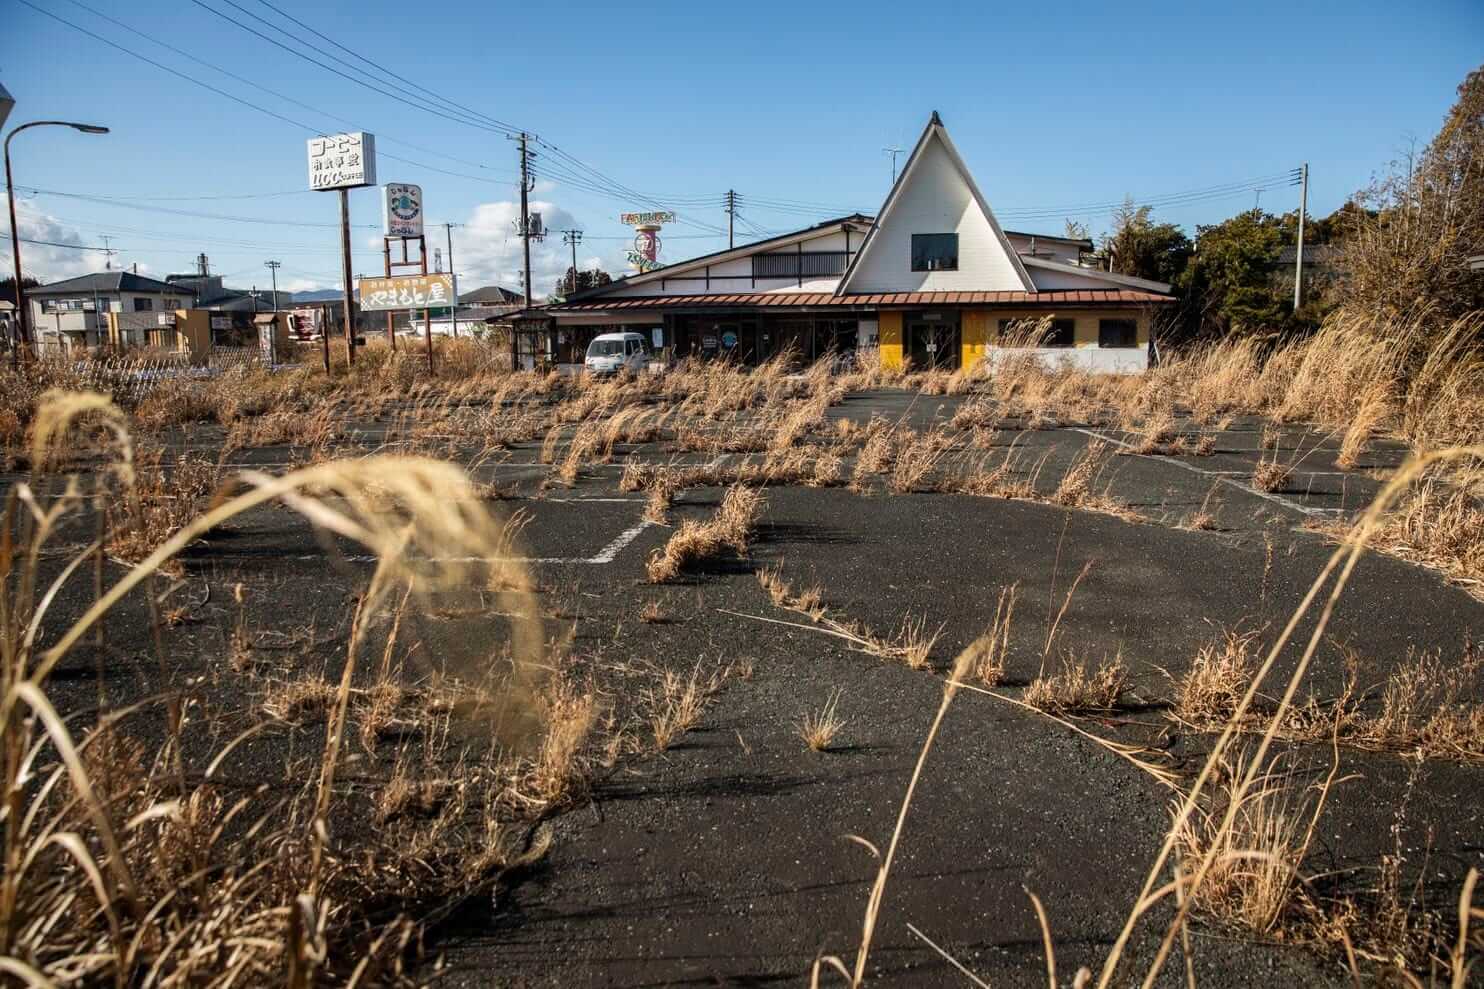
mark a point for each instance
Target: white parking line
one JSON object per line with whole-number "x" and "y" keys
{"x": 1220, "y": 476}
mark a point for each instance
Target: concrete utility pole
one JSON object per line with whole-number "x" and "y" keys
{"x": 573, "y": 238}
{"x": 273, "y": 267}
{"x": 893, "y": 152}
{"x": 453, "y": 312}
{"x": 731, "y": 208}
{"x": 525, "y": 212}
{"x": 350, "y": 316}
{"x": 1298, "y": 261}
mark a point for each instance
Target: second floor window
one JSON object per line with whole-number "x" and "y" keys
{"x": 935, "y": 252}
{"x": 144, "y": 305}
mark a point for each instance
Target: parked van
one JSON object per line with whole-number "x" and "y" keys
{"x": 610, "y": 353}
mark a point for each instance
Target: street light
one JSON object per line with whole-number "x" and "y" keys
{"x": 22, "y": 314}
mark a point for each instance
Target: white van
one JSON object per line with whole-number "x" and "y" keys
{"x": 610, "y": 353}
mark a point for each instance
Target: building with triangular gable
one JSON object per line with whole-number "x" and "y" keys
{"x": 931, "y": 281}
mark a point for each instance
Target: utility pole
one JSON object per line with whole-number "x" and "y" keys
{"x": 1298, "y": 261}
{"x": 453, "y": 312}
{"x": 573, "y": 238}
{"x": 731, "y": 208}
{"x": 893, "y": 152}
{"x": 273, "y": 267}
{"x": 107, "y": 254}
{"x": 525, "y": 212}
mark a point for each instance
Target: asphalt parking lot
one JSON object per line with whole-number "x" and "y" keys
{"x": 722, "y": 861}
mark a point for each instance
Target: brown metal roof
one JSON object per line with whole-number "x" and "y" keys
{"x": 1042, "y": 300}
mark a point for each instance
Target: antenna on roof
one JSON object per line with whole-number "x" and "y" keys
{"x": 937, "y": 121}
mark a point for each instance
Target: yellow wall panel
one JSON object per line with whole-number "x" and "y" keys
{"x": 976, "y": 330}
{"x": 889, "y": 337}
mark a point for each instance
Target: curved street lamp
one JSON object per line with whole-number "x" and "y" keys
{"x": 22, "y": 314}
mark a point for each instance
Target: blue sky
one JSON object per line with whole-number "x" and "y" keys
{"x": 1058, "y": 109}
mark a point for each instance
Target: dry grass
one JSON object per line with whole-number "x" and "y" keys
{"x": 731, "y": 527}
{"x": 819, "y": 728}
{"x": 1076, "y": 689}
{"x": 676, "y": 703}
{"x": 137, "y": 865}
{"x": 1210, "y": 691}
{"x": 1270, "y": 475}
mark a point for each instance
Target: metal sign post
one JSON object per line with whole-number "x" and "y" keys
{"x": 343, "y": 162}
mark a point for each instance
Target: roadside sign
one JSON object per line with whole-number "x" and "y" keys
{"x": 402, "y": 210}
{"x": 342, "y": 161}
{"x": 406, "y": 292}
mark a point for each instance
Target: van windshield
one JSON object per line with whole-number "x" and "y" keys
{"x": 605, "y": 348}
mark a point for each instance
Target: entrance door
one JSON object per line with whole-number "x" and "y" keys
{"x": 933, "y": 344}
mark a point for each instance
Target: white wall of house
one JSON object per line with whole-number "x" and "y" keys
{"x": 1113, "y": 360}
{"x": 735, "y": 275}
{"x": 1053, "y": 250}
{"x": 935, "y": 198}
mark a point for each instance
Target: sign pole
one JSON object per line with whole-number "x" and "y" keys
{"x": 324, "y": 332}
{"x": 422, "y": 244}
{"x": 386, "y": 254}
{"x": 350, "y": 320}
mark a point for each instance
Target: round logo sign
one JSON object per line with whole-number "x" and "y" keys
{"x": 729, "y": 339}
{"x": 404, "y": 206}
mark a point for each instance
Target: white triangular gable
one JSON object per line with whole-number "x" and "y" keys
{"x": 936, "y": 194}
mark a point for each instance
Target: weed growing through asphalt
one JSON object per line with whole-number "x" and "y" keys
{"x": 819, "y": 728}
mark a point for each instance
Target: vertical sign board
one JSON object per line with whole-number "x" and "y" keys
{"x": 268, "y": 343}
{"x": 402, "y": 210}
{"x": 342, "y": 161}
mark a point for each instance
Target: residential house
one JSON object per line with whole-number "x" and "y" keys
{"x": 72, "y": 314}
{"x": 932, "y": 280}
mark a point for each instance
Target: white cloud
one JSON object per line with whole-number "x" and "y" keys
{"x": 487, "y": 248}
{"x": 43, "y": 261}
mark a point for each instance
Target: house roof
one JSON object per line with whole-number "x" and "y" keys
{"x": 492, "y": 294}
{"x": 1083, "y": 242}
{"x": 934, "y": 131}
{"x": 107, "y": 281}
{"x": 1057, "y": 298}
{"x": 1102, "y": 276}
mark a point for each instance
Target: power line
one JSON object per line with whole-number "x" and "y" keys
{"x": 258, "y": 86}
{"x": 123, "y": 204}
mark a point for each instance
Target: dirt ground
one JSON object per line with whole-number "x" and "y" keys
{"x": 723, "y": 860}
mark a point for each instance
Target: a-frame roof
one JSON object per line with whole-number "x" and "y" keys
{"x": 933, "y": 132}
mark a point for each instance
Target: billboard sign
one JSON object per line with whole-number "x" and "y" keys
{"x": 642, "y": 219}
{"x": 406, "y": 292}
{"x": 342, "y": 161}
{"x": 402, "y": 210}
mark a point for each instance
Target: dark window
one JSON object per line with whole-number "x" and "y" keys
{"x": 1061, "y": 333}
{"x": 935, "y": 252}
{"x": 809, "y": 264}
{"x": 144, "y": 305}
{"x": 1118, "y": 333}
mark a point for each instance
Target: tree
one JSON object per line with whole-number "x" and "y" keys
{"x": 7, "y": 287}
{"x": 1408, "y": 249}
{"x": 585, "y": 280}
{"x": 1139, "y": 247}
{"x": 1228, "y": 287}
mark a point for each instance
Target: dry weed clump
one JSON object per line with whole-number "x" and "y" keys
{"x": 674, "y": 706}
{"x": 819, "y": 728}
{"x": 693, "y": 542}
{"x": 1077, "y": 689}
{"x": 1209, "y": 692}
{"x": 1270, "y": 475}
{"x": 1439, "y": 524}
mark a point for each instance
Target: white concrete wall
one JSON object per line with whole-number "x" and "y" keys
{"x": 936, "y": 199}
{"x": 1112, "y": 360}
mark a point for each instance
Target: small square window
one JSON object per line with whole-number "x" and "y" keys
{"x": 144, "y": 305}
{"x": 935, "y": 252}
{"x": 1118, "y": 333}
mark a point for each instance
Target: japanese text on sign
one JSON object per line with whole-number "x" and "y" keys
{"x": 342, "y": 161}
{"x": 406, "y": 292}
{"x": 637, "y": 219}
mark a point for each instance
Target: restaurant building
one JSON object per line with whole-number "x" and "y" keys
{"x": 932, "y": 280}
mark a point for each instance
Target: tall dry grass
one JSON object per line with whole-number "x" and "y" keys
{"x": 125, "y": 865}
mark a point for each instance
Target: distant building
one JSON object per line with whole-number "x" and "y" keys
{"x": 491, "y": 295}
{"x": 73, "y": 313}
{"x": 208, "y": 292}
